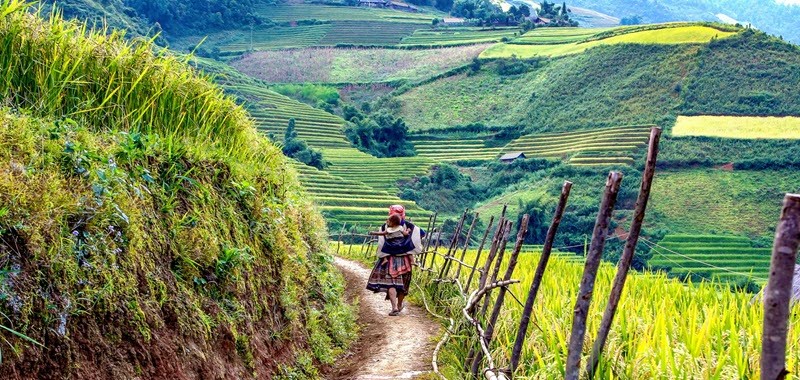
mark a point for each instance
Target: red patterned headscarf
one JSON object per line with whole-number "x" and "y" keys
{"x": 397, "y": 209}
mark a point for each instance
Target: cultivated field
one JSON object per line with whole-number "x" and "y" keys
{"x": 458, "y": 36}
{"x": 664, "y": 329}
{"x": 379, "y": 173}
{"x": 606, "y": 146}
{"x": 709, "y": 201}
{"x": 352, "y": 202}
{"x": 719, "y": 256}
{"x": 738, "y": 127}
{"x": 668, "y": 35}
{"x": 453, "y": 149}
{"x": 297, "y": 12}
{"x": 549, "y": 36}
{"x": 351, "y": 65}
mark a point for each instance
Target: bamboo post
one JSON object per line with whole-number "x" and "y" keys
{"x": 428, "y": 234}
{"x": 498, "y": 303}
{"x": 466, "y": 243}
{"x": 436, "y": 248}
{"x": 624, "y": 264}
{"x": 538, "y": 275}
{"x": 487, "y": 265}
{"x": 485, "y": 272}
{"x": 778, "y": 292}
{"x": 339, "y": 243}
{"x": 453, "y": 243}
{"x": 352, "y": 238}
{"x": 478, "y": 255}
{"x": 581, "y": 310}
{"x": 501, "y": 252}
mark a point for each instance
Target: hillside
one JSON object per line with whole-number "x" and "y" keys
{"x": 147, "y": 229}
{"x": 776, "y": 17}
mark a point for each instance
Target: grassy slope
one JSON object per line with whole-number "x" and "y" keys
{"x": 637, "y": 86}
{"x": 353, "y": 65}
{"x": 717, "y": 201}
{"x": 147, "y": 215}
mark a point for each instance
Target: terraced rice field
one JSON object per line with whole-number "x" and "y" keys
{"x": 549, "y": 36}
{"x": 667, "y": 35}
{"x": 296, "y": 12}
{"x": 738, "y": 127}
{"x": 457, "y": 36}
{"x": 379, "y": 173}
{"x": 605, "y": 146}
{"x": 721, "y": 257}
{"x": 344, "y": 201}
{"x": 454, "y": 149}
{"x": 368, "y": 32}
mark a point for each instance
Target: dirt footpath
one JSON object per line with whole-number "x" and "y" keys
{"x": 389, "y": 347}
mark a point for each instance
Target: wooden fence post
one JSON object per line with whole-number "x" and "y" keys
{"x": 500, "y": 253}
{"x": 538, "y": 275}
{"x": 498, "y": 303}
{"x": 581, "y": 310}
{"x": 436, "y": 247}
{"x": 428, "y": 236}
{"x": 466, "y": 243}
{"x": 478, "y": 255}
{"x": 778, "y": 292}
{"x": 339, "y": 243}
{"x": 624, "y": 264}
{"x": 453, "y": 247}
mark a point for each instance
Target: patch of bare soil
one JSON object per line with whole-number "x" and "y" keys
{"x": 389, "y": 347}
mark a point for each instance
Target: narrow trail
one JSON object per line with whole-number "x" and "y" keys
{"x": 389, "y": 347}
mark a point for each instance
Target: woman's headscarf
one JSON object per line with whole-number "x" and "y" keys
{"x": 399, "y": 210}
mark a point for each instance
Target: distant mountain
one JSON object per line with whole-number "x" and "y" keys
{"x": 778, "y": 17}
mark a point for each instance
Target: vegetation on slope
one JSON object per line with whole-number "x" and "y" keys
{"x": 738, "y": 127}
{"x": 143, "y": 213}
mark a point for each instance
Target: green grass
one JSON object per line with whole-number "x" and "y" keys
{"x": 637, "y": 87}
{"x": 457, "y": 36}
{"x": 738, "y": 127}
{"x": 138, "y": 199}
{"x": 717, "y": 201}
{"x": 672, "y": 35}
{"x": 349, "y": 65}
{"x": 379, "y": 173}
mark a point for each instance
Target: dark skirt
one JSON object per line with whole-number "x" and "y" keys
{"x": 398, "y": 276}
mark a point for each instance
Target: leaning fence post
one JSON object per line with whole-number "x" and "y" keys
{"x": 466, "y": 243}
{"x": 778, "y": 292}
{"x": 500, "y": 253}
{"x": 436, "y": 247}
{"x": 478, "y": 255}
{"x": 428, "y": 235}
{"x": 498, "y": 303}
{"x": 627, "y": 253}
{"x": 581, "y": 310}
{"x": 539, "y": 274}
{"x": 453, "y": 247}
{"x": 339, "y": 242}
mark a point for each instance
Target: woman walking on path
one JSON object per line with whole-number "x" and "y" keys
{"x": 392, "y": 271}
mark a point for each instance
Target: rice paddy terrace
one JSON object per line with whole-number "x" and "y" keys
{"x": 606, "y": 146}
{"x": 349, "y": 202}
{"x": 720, "y": 257}
{"x": 307, "y": 25}
{"x": 553, "y": 42}
{"x": 356, "y": 187}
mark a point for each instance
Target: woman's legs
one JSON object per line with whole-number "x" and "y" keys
{"x": 393, "y": 298}
{"x": 400, "y": 298}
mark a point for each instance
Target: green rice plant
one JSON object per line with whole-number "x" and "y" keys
{"x": 664, "y": 328}
{"x": 738, "y": 127}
